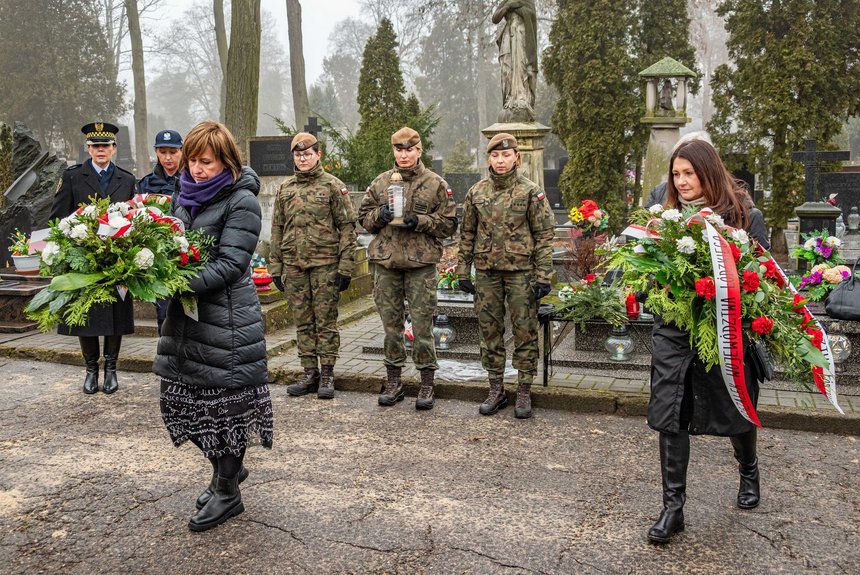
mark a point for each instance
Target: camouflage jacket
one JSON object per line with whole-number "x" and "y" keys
{"x": 430, "y": 199}
{"x": 507, "y": 226}
{"x": 313, "y": 223}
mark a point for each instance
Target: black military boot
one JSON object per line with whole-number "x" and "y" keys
{"x": 674, "y": 457}
{"x": 497, "y": 399}
{"x": 112, "y": 345}
{"x": 308, "y": 383}
{"x": 523, "y": 407}
{"x": 326, "y": 389}
{"x": 90, "y": 351}
{"x": 392, "y": 392}
{"x": 426, "y": 398}
{"x": 749, "y": 493}
{"x": 204, "y": 497}
{"x": 226, "y": 502}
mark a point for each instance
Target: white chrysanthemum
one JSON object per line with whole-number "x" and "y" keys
{"x": 121, "y": 207}
{"x": 656, "y": 209}
{"x": 715, "y": 219}
{"x": 565, "y": 293}
{"x": 686, "y": 245}
{"x": 78, "y": 232}
{"x": 810, "y": 244}
{"x": 182, "y": 243}
{"x": 741, "y": 236}
{"x": 833, "y": 242}
{"x": 671, "y": 215}
{"x": 67, "y": 223}
{"x": 116, "y": 221}
{"x": 91, "y": 211}
{"x": 49, "y": 252}
{"x": 144, "y": 258}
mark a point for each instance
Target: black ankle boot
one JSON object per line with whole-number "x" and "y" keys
{"x": 90, "y": 351}
{"x": 112, "y": 345}
{"x": 749, "y": 493}
{"x": 674, "y": 457}
{"x": 204, "y": 497}
{"x": 226, "y": 502}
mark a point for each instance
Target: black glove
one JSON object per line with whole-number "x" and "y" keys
{"x": 542, "y": 290}
{"x": 641, "y": 296}
{"x": 467, "y": 286}
{"x": 410, "y": 222}
{"x": 385, "y": 214}
{"x": 278, "y": 283}
{"x": 342, "y": 281}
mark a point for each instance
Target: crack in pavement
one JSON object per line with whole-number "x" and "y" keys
{"x": 499, "y": 562}
{"x": 279, "y": 528}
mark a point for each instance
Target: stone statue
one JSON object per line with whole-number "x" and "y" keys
{"x": 517, "y": 41}
{"x": 666, "y": 98}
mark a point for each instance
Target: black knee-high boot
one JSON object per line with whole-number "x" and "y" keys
{"x": 226, "y": 500}
{"x": 112, "y": 345}
{"x": 674, "y": 457}
{"x": 90, "y": 351}
{"x": 749, "y": 493}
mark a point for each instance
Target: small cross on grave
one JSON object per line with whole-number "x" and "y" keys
{"x": 812, "y": 159}
{"x": 313, "y": 127}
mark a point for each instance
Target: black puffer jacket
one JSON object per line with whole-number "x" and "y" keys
{"x": 225, "y": 347}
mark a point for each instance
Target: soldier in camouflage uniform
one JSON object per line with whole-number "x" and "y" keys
{"x": 405, "y": 259}
{"x": 311, "y": 260}
{"x": 507, "y": 232}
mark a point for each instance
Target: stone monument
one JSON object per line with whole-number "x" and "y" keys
{"x": 666, "y": 113}
{"x": 518, "y": 60}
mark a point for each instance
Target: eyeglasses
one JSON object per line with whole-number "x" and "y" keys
{"x": 303, "y": 155}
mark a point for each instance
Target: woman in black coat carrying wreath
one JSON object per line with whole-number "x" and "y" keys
{"x": 214, "y": 379}
{"x": 685, "y": 397}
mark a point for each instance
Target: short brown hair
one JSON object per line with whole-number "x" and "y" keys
{"x": 214, "y": 135}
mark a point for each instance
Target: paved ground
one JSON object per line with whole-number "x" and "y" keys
{"x": 92, "y": 485}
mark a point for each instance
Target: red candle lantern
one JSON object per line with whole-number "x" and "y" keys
{"x": 632, "y": 307}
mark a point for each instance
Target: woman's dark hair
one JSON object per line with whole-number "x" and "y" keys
{"x": 723, "y": 194}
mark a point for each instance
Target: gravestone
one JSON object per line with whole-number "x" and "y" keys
{"x": 272, "y": 159}
{"x": 846, "y": 186}
{"x": 460, "y": 183}
{"x": 27, "y": 204}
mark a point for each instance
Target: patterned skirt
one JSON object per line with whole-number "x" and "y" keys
{"x": 219, "y": 421}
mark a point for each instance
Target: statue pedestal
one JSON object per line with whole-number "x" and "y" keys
{"x": 530, "y": 139}
{"x": 661, "y": 142}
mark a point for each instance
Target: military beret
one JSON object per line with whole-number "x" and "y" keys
{"x": 503, "y": 141}
{"x": 100, "y": 133}
{"x": 302, "y": 141}
{"x": 405, "y": 138}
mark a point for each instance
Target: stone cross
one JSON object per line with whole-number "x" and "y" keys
{"x": 811, "y": 159}
{"x": 313, "y": 127}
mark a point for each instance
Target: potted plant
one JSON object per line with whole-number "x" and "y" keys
{"x": 25, "y": 262}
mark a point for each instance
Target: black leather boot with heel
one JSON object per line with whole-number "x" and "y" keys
{"x": 674, "y": 458}
{"x": 112, "y": 345}
{"x": 749, "y": 493}
{"x": 90, "y": 351}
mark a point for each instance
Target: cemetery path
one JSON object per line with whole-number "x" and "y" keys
{"x": 91, "y": 484}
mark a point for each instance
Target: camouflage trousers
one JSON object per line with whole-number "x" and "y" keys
{"x": 494, "y": 291}
{"x": 313, "y": 296}
{"x": 417, "y": 286}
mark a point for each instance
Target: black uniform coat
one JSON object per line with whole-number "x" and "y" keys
{"x": 225, "y": 347}
{"x": 77, "y": 185}
{"x": 672, "y": 361}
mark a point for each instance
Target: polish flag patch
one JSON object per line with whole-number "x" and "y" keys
{"x": 450, "y": 192}
{"x": 344, "y": 191}
{"x": 541, "y": 196}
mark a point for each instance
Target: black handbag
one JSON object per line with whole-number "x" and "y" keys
{"x": 757, "y": 354}
{"x": 843, "y": 302}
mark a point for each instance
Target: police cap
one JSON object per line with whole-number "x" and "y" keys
{"x": 302, "y": 141}
{"x": 502, "y": 141}
{"x": 100, "y": 133}
{"x": 405, "y": 138}
{"x": 168, "y": 139}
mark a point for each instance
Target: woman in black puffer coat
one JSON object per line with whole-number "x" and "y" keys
{"x": 214, "y": 386}
{"x": 685, "y": 397}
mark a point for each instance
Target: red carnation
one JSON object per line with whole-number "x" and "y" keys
{"x": 817, "y": 337}
{"x": 705, "y": 287}
{"x": 194, "y": 252}
{"x": 587, "y": 208}
{"x": 589, "y": 278}
{"x": 751, "y": 281}
{"x": 736, "y": 251}
{"x": 771, "y": 271}
{"x": 762, "y": 325}
{"x": 798, "y": 303}
{"x": 183, "y": 258}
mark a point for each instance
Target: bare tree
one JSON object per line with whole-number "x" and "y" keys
{"x": 297, "y": 63}
{"x": 221, "y": 42}
{"x": 243, "y": 70}
{"x": 141, "y": 148}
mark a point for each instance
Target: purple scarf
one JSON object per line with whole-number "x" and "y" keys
{"x": 193, "y": 195}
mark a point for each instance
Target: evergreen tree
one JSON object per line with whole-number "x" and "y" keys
{"x": 590, "y": 65}
{"x": 795, "y": 75}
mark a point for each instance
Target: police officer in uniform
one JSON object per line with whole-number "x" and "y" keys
{"x": 405, "y": 259}
{"x": 311, "y": 260}
{"x": 163, "y": 180}
{"x": 98, "y": 177}
{"x": 507, "y": 232}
